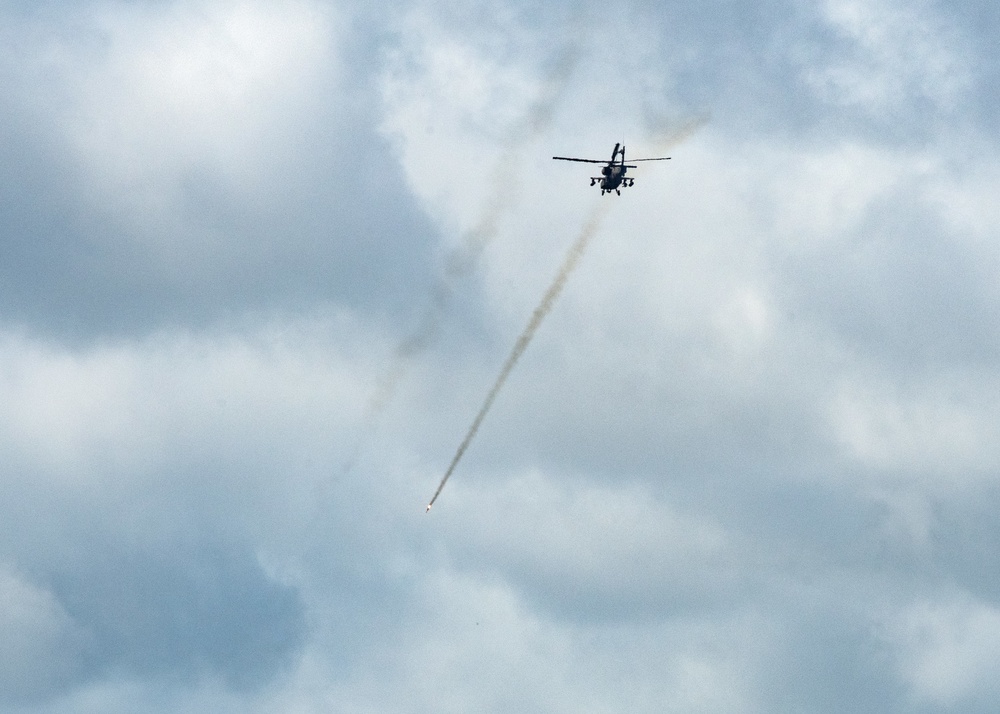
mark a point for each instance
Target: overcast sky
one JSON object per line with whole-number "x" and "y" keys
{"x": 262, "y": 260}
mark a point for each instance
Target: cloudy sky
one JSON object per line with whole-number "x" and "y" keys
{"x": 262, "y": 260}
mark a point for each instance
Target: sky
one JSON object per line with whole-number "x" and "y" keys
{"x": 263, "y": 261}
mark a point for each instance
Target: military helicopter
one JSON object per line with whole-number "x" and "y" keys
{"x": 613, "y": 176}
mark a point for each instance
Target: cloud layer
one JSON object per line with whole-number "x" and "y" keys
{"x": 747, "y": 464}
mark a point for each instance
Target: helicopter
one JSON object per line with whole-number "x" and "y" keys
{"x": 613, "y": 176}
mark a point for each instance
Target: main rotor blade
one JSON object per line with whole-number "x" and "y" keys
{"x": 662, "y": 158}
{"x": 585, "y": 161}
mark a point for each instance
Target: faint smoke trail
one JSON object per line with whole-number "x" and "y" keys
{"x": 503, "y": 183}
{"x": 576, "y": 252}
{"x": 666, "y": 136}
{"x": 501, "y": 197}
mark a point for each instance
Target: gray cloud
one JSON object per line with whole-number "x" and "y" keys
{"x": 746, "y": 465}
{"x": 131, "y": 205}
{"x": 186, "y": 614}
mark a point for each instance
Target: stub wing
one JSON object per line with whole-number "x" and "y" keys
{"x": 582, "y": 161}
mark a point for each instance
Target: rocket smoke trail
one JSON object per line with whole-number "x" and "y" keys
{"x": 570, "y": 262}
{"x": 500, "y": 199}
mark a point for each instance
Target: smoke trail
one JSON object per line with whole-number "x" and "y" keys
{"x": 667, "y": 135}
{"x": 501, "y": 197}
{"x": 503, "y": 183}
{"x": 570, "y": 262}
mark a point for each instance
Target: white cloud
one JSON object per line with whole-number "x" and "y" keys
{"x": 147, "y": 103}
{"x": 120, "y": 411}
{"x": 966, "y": 197}
{"x": 40, "y": 645}
{"x": 693, "y": 434}
{"x": 893, "y": 53}
{"x": 603, "y": 552}
{"x": 949, "y": 650}
{"x": 478, "y": 644}
{"x": 184, "y": 84}
{"x": 448, "y": 104}
{"x": 944, "y": 435}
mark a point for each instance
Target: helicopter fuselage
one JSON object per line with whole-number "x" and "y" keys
{"x": 613, "y": 172}
{"x": 613, "y": 177}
